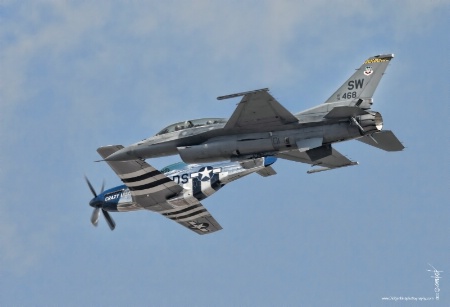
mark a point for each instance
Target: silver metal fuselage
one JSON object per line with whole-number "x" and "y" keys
{"x": 213, "y": 143}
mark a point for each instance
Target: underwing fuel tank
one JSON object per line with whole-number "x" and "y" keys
{"x": 143, "y": 151}
{"x": 224, "y": 150}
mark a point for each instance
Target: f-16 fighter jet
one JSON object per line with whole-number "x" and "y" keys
{"x": 260, "y": 126}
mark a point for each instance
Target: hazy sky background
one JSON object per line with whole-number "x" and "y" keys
{"x": 76, "y": 75}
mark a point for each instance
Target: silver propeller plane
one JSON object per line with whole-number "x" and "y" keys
{"x": 175, "y": 192}
{"x": 260, "y": 126}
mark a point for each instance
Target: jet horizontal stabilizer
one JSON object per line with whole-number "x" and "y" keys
{"x": 242, "y": 94}
{"x": 385, "y": 140}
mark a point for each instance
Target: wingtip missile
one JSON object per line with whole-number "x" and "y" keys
{"x": 323, "y": 169}
{"x": 242, "y": 94}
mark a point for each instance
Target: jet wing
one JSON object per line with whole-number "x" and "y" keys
{"x": 194, "y": 217}
{"x": 148, "y": 186}
{"x": 331, "y": 161}
{"x": 258, "y": 111}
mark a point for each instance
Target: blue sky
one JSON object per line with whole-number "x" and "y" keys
{"x": 77, "y": 75}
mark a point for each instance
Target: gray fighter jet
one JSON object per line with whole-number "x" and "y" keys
{"x": 260, "y": 126}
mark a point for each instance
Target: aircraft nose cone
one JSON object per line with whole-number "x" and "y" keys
{"x": 95, "y": 203}
{"x": 121, "y": 155}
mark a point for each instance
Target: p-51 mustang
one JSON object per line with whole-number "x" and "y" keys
{"x": 260, "y": 126}
{"x": 175, "y": 192}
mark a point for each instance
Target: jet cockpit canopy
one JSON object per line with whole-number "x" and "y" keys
{"x": 192, "y": 123}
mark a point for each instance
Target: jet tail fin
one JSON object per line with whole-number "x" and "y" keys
{"x": 385, "y": 140}
{"x": 359, "y": 88}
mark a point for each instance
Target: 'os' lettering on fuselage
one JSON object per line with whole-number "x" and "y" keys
{"x": 181, "y": 179}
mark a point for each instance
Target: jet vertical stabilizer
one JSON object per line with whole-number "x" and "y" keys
{"x": 359, "y": 88}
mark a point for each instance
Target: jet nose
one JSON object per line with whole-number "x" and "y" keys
{"x": 123, "y": 154}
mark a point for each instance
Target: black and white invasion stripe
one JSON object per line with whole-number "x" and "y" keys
{"x": 146, "y": 181}
{"x": 187, "y": 213}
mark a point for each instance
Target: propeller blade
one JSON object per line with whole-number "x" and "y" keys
{"x": 90, "y": 186}
{"x": 103, "y": 187}
{"x": 96, "y": 212}
{"x": 109, "y": 220}
{"x": 94, "y": 216}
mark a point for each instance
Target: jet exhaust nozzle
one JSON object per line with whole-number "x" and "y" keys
{"x": 370, "y": 123}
